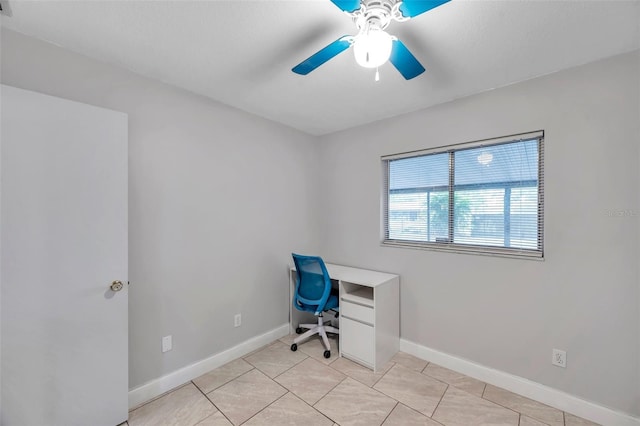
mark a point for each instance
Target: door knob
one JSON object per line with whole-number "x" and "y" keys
{"x": 116, "y": 286}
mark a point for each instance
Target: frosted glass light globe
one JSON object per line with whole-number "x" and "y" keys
{"x": 372, "y": 49}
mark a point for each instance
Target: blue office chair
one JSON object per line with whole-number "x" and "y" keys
{"x": 313, "y": 294}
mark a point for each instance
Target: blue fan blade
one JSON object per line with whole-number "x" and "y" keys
{"x": 404, "y": 61}
{"x": 347, "y": 5}
{"x": 322, "y": 56}
{"x": 411, "y": 8}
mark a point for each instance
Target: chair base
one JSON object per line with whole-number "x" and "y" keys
{"x": 320, "y": 328}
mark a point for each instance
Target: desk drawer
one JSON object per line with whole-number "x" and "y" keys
{"x": 356, "y": 312}
{"x": 357, "y": 341}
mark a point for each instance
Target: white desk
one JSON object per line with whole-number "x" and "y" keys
{"x": 369, "y": 313}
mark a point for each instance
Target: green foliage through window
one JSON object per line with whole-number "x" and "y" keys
{"x": 480, "y": 196}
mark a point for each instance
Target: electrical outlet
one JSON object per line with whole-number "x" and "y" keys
{"x": 237, "y": 320}
{"x": 167, "y": 344}
{"x": 559, "y": 358}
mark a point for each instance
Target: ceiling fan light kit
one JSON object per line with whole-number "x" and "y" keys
{"x": 373, "y": 46}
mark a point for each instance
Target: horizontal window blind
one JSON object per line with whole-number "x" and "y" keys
{"x": 482, "y": 197}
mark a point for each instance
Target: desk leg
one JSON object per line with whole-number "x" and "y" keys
{"x": 340, "y": 292}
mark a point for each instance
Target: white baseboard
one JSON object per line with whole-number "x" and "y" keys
{"x": 536, "y": 391}
{"x": 170, "y": 381}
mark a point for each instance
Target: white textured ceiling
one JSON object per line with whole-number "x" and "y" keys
{"x": 241, "y": 52}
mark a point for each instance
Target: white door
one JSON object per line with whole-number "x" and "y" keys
{"x": 63, "y": 198}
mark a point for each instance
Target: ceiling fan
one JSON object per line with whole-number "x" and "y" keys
{"x": 372, "y": 46}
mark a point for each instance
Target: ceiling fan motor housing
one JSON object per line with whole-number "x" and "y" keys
{"x": 376, "y": 14}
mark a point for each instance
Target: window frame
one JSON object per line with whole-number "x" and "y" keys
{"x": 449, "y": 246}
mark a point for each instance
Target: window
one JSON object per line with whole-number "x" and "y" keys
{"x": 482, "y": 196}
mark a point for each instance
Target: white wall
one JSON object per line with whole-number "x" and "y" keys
{"x": 218, "y": 200}
{"x": 504, "y": 313}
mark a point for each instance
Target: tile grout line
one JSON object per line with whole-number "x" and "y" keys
{"x": 330, "y": 365}
{"x": 349, "y": 377}
{"x": 322, "y": 397}
{"x": 387, "y": 416}
{"x": 220, "y": 385}
{"x": 372, "y": 371}
{"x": 438, "y": 404}
{"x": 393, "y": 364}
{"x": 516, "y": 411}
{"x": 434, "y": 420}
{"x": 443, "y": 382}
{"x": 289, "y": 368}
{"x": 451, "y": 384}
{"x": 315, "y": 409}
{"x": 312, "y": 406}
{"x": 527, "y": 398}
{"x": 268, "y": 405}
{"x": 273, "y": 379}
{"x": 157, "y": 398}
{"x": 216, "y": 407}
{"x": 246, "y": 372}
{"x": 420, "y": 412}
{"x": 306, "y": 357}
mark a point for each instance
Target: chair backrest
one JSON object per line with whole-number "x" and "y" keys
{"x": 313, "y": 285}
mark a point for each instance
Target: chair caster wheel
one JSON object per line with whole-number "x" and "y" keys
{"x": 294, "y": 347}
{"x": 327, "y": 354}
{"x": 299, "y": 330}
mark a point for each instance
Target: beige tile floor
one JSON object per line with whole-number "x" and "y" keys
{"x": 274, "y": 386}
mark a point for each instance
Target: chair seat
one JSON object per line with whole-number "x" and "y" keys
{"x": 332, "y": 303}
